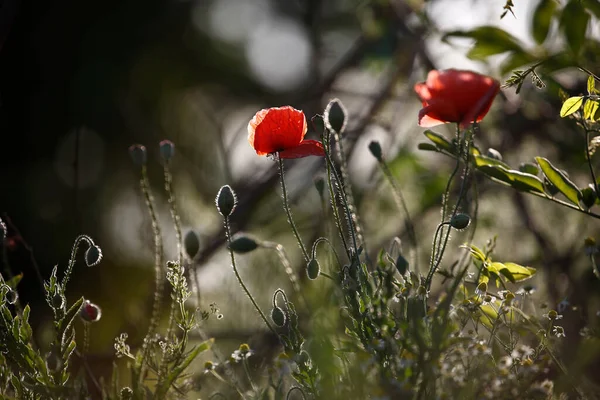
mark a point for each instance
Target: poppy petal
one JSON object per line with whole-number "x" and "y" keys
{"x": 304, "y": 149}
{"x": 423, "y": 92}
{"x": 438, "y": 113}
{"x": 276, "y": 129}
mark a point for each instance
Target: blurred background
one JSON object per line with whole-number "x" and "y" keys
{"x": 81, "y": 81}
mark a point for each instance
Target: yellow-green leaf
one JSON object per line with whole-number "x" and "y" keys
{"x": 485, "y": 160}
{"x": 475, "y": 252}
{"x": 591, "y": 85}
{"x": 571, "y": 105}
{"x": 440, "y": 141}
{"x": 590, "y": 107}
{"x": 558, "y": 179}
{"x": 515, "y": 272}
{"x": 519, "y": 180}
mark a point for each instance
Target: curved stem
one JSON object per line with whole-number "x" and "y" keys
{"x": 287, "y": 265}
{"x": 286, "y": 208}
{"x": 241, "y": 282}
{"x": 73, "y": 258}
{"x": 323, "y": 239}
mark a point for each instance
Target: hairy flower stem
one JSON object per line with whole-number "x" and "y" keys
{"x": 286, "y": 208}
{"x": 347, "y": 189}
{"x": 438, "y": 251}
{"x": 158, "y": 269}
{"x": 589, "y": 158}
{"x": 332, "y": 196}
{"x": 241, "y": 282}
{"x": 287, "y": 265}
{"x": 401, "y": 203}
{"x": 73, "y": 257}
{"x": 178, "y": 235}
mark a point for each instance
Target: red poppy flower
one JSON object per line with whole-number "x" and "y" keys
{"x": 455, "y": 96}
{"x": 281, "y": 130}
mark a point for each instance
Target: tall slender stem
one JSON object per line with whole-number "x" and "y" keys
{"x": 241, "y": 282}
{"x": 286, "y": 207}
{"x": 589, "y": 158}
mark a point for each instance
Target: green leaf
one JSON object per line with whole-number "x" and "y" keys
{"x": 162, "y": 390}
{"x": 427, "y": 147}
{"x": 521, "y": 181}
{"x": 481, "y": 160}
{"x": 489, "y": 40}
{"x": 558, "y": 179}
{"x": 574, "y": 22}
{"x": 591, "y": 85}
{"x": 475, "y": 251}
{"x": 542, "y": 17}
{"x": 440, "y": 141}
{"x": 515, "y": 272}
{"x": 593, "y": 6}
{"x": 571, "y": 105}
{"x": 515, "y": 60}
{"x": 590, "y": 108}
{"x": 14, "y": 281}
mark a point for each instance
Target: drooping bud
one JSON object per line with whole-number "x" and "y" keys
{"x": 167, "y": 149}
{"x": 589, "y": 196}
{"x": 90, "y": 312}
{"x": 226, "y": 201}
{"x": 335, "y": 116}
{"x": 191, "y": 244}
{"x": 126, "y": 393}
{"x": 11, "y": 296}
{"x": 375, "y": 149}
{"x": 313, "y": 269}
{"x": 243, "y": 244}
{"x": 138, "y": 154}
{"x": 278, "y": 316}
{"x": 460, "y": 221}
{"x": 93, "y": 256}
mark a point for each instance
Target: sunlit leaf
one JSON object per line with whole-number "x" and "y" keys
{"x": 440, "y": 141}
{"x": 515, "y": 272}
{"x": 475, "y": 251}
{"x": 485, "y": 160}
{"x": 590, "y": 108}
{"x": 427, "y": 147}
{"x": 558, "y": 179}
{"x": 571, "y": 105}
{"x": 542, "y": 17}
{"x": 591, "y": 85}
{"x": 518, "y": 180}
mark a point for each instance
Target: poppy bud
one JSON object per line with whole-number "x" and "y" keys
{"x": 226, "y": 201}
{"x": 460, "y": 221}
{"x": 90, "y": 312}
{"x": 278, "y": 316}
{"x": 126, "y": 393}
{"x": 375, "y": 149}
{"x": 320, "y": 185}
{"x": 401, "y": 264}
{"x": 313, "y": 269}
{"x": 11, "y": 296}
{"x": 167, "y": 149}
{"x": 243, "y": 244}
{"x": 93, "y": 256}
{"x": 335, "y": 116}
{"x": 529, "y": 168}
{"x": 495, "y": 154}
{"x": 191, "y": 244}
{"x": 138, "y": 154}
{"x": 588, "y": 196}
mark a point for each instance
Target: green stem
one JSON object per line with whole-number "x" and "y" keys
{"x": 286, "y": 207}
{"x": 241, "y": 282}
{"x": 401, "y": 203}
{"x": 73, "y": 258}
{"x": 589, "y": 158}
{"x": 158, "y": 268}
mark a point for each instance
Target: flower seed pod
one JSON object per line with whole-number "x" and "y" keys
{"x": 226, "y": 201}
{"x": 90, "y": 312}
{"x": 126, "y": 393}
{"x": 138, "y": 154}
{"x": 335, "y": 116}
{"x": 93, "y": 256}
{"x": 588, "y": 196}
{"x": 313, "y": 269}
{"x": 460, "y": 221}
{"x": 191, "y": 244}
{"x": 58, "y": 301}
{"x": 167, "y": 149}
{"x": 375, "y": 149}
{"x": 242, "y": 244}
{"x": 278, "y": 317}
